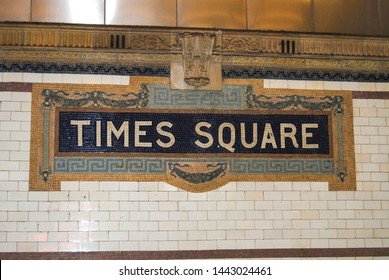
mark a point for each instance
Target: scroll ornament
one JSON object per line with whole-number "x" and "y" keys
{"x": 197, "y": 56}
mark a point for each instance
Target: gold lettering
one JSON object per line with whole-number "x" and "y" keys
{"x": 306, "y": 135}
{"x": 291, "y": 134}
{"x": 227, "y": 146}
{"x": 268, "y": 137}
{"x": 79, "y": 124}
{"x": 168, "y": 134}
{"x": 112, "y": 129}
{"x": 205, "y": 134}
{"x": 139, "y": 133}
{"x": 98, "y": 133}
{"x": 243, "y": 136}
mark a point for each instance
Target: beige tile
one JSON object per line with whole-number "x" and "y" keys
{"x": 25, "y": 247}
{"x": 366, "y": 86}
{"x": 109, "y": 246}
{"x": 52, "y": 78}
{"x": 167, "y": 245}
{"x": 91, "y": 79}
{"x": 48, "y": 247}
{"x": 72, "y": 79}
{"x": 125, "y": 80}
{"x": 332, "y": 85}
{"x": 188, "y": 245}
{"x": 12, "y": 77}
{"x": 111, "y": 80}
{"x": 109, "y": 186}
{"x": 318, "y": 85}
{"x": 89, "y": 246}
{"x": 278, "y": 83}
{"x": 129, "y": 246}
{"x": 349, "y": 86}
{"x": 32, "y": 77}
{"x": 382, "y": 86}
{"x": 296, "y": 84}
{"x": 320, "y": 243}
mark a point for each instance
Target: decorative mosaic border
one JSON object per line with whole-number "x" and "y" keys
{"x": 84, "y": 68}
{"x": 314, "y": 75}
{"x": 229, "y": 73}
{"x": 100, "y": 165}
{"x": 192, "y": 174}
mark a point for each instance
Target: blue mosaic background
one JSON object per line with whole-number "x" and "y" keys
{"x": 184, "y": 133}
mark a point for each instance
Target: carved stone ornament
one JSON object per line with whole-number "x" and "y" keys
{"x": 197, "y": 55}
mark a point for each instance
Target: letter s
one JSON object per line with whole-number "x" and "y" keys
{"x": 204, "y": 134}
{"x": 165, "y": 133}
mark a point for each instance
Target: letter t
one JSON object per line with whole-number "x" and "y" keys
{"x": 80, "y": 124}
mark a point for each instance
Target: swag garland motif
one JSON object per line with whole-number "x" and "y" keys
{"x": 96, "y": 99}
{"x": 294, "y": 102}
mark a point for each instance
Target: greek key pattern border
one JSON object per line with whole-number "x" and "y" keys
{"x": 231, "y": 97}
{"x": 98, "y": 165}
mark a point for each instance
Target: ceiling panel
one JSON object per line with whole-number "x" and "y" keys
{"x": 359, "y": 17}
{"x": 68, "y": 11}
{"x": 384, "y": 17}
{"x": 228, "y": 14}
{"x": 141, "y": 12}
{"x": 15, "y": 10}
{"x": 279, "y": 15}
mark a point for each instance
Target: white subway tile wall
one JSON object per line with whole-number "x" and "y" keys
{"x": 112, "y": 216}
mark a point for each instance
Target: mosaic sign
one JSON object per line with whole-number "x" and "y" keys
{"x": 195, "y": 140}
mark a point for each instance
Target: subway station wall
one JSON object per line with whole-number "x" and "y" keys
{"x": 353, "y": 17}
{"x": 139, "y": 216}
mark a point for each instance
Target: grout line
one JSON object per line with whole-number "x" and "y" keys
{"x": 247, "y": 15}
{"x": 176, "y": 13}
{"x": 30, "y": 10}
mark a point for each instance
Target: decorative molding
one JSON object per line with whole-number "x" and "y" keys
{"x": 56, "y": 48}
{"x": 140, "y": 41}
{"x": 244, "y": 44}
{"x": 165, "y": 40}
{"x": 197, "y": 57}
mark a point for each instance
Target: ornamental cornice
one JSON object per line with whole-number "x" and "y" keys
{"x": 129, "y": 46}
{"x": 166, "y": 40}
